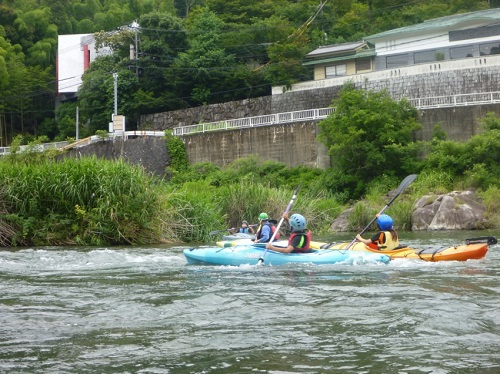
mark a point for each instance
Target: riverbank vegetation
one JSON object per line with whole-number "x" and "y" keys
{"x": 46, "y": 199}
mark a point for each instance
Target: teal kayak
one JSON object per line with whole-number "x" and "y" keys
{"x": 250, "y": 255}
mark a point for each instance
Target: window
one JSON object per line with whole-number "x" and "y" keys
{"x": 478, "y": 32}
{"x": 461, "y": 52}
{"x": 396, "y": 61}
{"x": 428, "y": 56}
{"x": 335, "y": 71}
{"x": 489, "y": 49}
{"x": 363, "y": 64}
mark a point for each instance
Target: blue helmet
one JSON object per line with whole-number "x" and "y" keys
{"x": 384, "y": 222}
{"x": 297, "y": 222}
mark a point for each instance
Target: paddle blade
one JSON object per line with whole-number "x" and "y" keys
{"x": 402, "y": 186}
{"x": 490, "y": 240}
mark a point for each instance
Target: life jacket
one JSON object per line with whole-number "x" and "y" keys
{"x": 385, "y": 242}
{"x": 243, "y": 230}
{"x": 305, "y": 241}
{"x": 273, "y": 230}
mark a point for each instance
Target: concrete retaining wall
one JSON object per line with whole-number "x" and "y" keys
{"x": 147, "y": 152}
{"x": 293, "y": 144}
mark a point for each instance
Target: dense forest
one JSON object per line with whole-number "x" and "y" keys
{"x": 190, "y": 52}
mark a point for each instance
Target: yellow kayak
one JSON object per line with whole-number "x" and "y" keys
{"x": 473, "y": 249}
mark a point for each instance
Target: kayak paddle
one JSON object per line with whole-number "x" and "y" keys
{"x": 294, "y": 197}
{"x": 402, "y": 186}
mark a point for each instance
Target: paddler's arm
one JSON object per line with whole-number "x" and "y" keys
{"x": 366, "y": 241}
{"x": 279, "y": 249}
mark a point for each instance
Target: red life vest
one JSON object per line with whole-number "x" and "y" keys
{"x": 305, "y": 242}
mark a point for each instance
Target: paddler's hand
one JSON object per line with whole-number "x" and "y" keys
{"x": 269, "y": 246}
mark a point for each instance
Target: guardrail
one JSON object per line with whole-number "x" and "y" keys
{"x": 36, "y": 148}
{"x": 83, "y": 142}
{"x": 270, "y": 119}
{"x": 316, "y": 114}
{"x": 266, "y": 120}
{"x": 456, "y": 100}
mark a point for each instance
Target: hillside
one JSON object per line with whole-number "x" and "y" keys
{"x": 191, "y": 53}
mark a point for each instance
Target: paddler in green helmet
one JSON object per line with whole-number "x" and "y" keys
{"x": 266, "y": 230}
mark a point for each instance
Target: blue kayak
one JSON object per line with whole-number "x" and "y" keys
{"x": 250, "y": 255}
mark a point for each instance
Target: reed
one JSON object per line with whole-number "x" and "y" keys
{"x": 492, "y": 204}
{"x": 80, "y": 201}
{"x": 189, "y": 212}
{"x": 246, "y": 200}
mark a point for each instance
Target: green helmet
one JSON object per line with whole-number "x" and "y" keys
{"x": 263, "y": 217}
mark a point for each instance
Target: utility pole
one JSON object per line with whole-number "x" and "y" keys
{"x": 115, "y": 76}
{"x": 77, "y": 120}
{"x": 135, "y": 26}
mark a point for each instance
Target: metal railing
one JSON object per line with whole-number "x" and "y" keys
{"x": 82, "y": 142}
{"x": 266, "y": 120}
{"x": 317, "y": 114}
{"x": 456, "y": 100}
{"x": 36, "y": 148}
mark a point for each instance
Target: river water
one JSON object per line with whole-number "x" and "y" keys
{"x": 144, "y": 310}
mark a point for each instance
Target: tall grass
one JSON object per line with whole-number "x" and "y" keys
{"x": 190, "y": 212}
{"x": 492, "y": 204}
{"x": 246, "y": 200}
{"x": 79, "y": 201}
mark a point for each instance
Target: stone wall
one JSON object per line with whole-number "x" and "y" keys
{"x": 431, "y": 84}
{"x": 294, "y": 144}
{"x": 209, "y": 113}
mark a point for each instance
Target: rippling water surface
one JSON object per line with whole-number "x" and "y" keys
{"x": 144, "y": 310}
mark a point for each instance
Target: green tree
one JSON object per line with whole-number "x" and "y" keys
{"x": 477, "y": 161}
{"x": 162, "y": 37}
{"x": 203, "y": 68}
{"x": 368, "y": 135}
{"x": 96, "y": 94}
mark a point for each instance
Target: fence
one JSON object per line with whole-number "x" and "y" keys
{"x": 83, "y": 142}
{"x": 269, "y": 119}
{"x": 317, "y": 114}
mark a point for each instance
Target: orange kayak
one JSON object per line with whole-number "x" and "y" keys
{"x": 473, "y": 249}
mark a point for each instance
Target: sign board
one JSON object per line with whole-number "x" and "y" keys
{"x": 118, "y": 123}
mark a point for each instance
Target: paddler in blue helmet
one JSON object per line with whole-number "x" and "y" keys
{"x": 386, "y": 238}
{"x": 300, "y": 239}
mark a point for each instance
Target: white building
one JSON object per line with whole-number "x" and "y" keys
{"x": 446, "y": 40}
{"x": 460, "y": 36}
{"x": 74, "y": 55}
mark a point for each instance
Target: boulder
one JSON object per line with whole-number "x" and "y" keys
{"x": 457, "y": 210}
{"x": 341, "y": 223}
